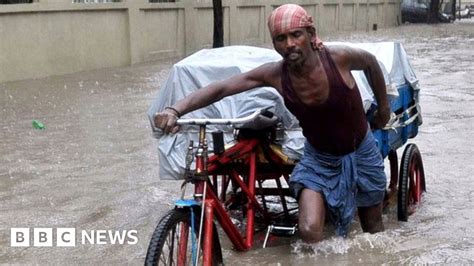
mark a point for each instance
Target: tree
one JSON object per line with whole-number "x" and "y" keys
{"x": 218, "y": 40}
{"x": 453, "y": 9}
{"x": 434, "y": 11}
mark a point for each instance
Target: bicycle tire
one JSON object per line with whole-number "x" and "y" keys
{"x": 168, "y": 225}
{"x": 411, "y": 182}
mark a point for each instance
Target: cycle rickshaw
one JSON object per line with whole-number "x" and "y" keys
{"x": 232, "y": 181}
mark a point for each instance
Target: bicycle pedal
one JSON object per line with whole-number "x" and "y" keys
{"x": 280, "y": 230}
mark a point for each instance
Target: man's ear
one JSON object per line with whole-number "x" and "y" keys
{"x": 313, "y": 38}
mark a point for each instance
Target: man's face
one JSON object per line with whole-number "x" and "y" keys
{"x": 294, "y": 46}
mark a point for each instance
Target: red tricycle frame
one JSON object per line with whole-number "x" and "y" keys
{"x": 252, "y": 160}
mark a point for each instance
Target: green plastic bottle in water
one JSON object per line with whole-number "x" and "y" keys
{"x": 37, "y": 124}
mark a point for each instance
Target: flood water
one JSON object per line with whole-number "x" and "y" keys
{"x": 95, "y": 166}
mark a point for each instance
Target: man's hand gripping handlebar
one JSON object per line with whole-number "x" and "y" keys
{"x": 166, "y": 121}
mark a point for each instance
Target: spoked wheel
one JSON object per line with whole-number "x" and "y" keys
{"x": 411, "y": 183}
{"x": 174, "y": 241}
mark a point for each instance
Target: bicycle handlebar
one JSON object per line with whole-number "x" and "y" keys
{"x": 263, "y": 116}
{"x": 224, "y": 121}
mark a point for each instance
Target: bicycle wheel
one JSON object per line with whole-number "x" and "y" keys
{"x": 411, "y": 183}
{"x": 174, "y": 243}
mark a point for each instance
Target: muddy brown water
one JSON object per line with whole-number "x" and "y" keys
{"x": 95, "y": 165}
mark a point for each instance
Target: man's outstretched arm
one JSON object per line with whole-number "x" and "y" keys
{"x": 362, "y": 60}
{"x": 257, "y": 77}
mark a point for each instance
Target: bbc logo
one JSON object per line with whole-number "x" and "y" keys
{"x": 43, "y": 237}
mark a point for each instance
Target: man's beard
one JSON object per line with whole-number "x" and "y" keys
{"x": 294, "y": 58}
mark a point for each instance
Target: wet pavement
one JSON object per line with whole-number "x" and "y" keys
{"x": 95, "y": 165}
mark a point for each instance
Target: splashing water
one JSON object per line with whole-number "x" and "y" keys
{"x": 382, "y": 242}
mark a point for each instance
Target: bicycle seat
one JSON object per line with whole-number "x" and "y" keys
{"x": 264, "y": 120}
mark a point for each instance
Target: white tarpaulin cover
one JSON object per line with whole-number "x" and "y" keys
{"x": 209, "y": 65}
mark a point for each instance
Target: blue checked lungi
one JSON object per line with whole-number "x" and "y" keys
{"x": 353, "y": 180}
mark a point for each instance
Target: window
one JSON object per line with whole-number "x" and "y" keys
{"x": 6, "y": 2}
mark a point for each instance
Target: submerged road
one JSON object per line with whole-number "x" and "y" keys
{"x": 95, "y": 165}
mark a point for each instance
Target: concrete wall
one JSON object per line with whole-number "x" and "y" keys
{"x": 51, "y": 37}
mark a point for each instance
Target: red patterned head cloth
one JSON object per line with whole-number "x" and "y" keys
{"x": 288, "y": 17}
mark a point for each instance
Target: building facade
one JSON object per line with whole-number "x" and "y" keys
{"x": 52, "y": 37}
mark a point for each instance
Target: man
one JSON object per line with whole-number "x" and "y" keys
{"x": 341, "y": 168}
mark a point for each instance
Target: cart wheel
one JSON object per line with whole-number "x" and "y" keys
{"x": 172, "y": 241}
{"x": 411, "y": 183}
